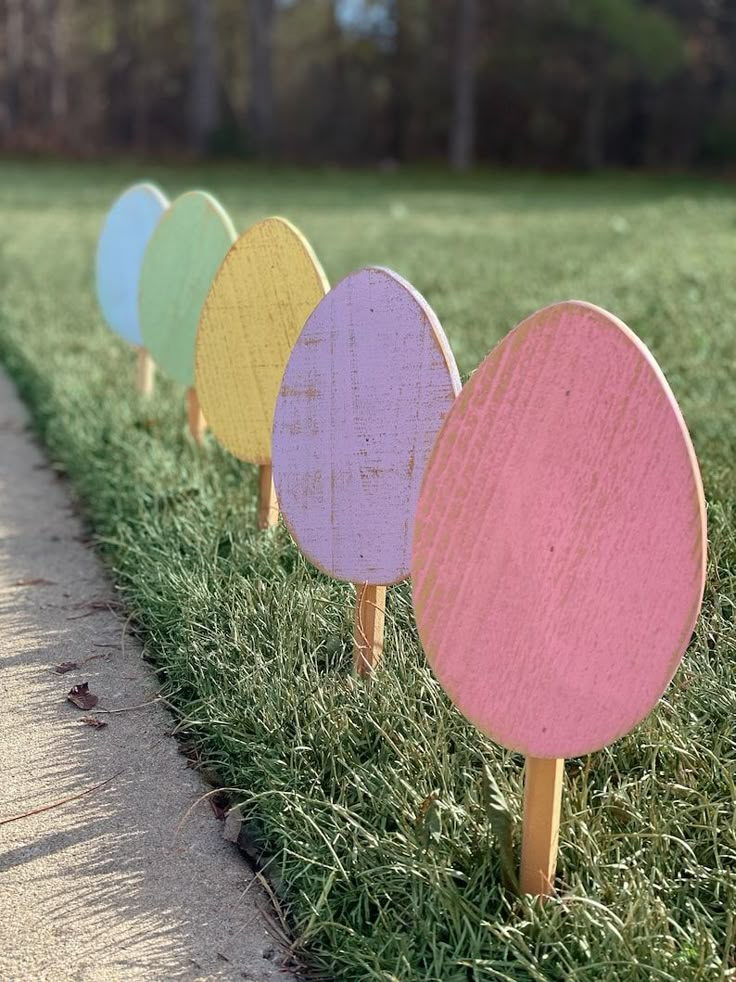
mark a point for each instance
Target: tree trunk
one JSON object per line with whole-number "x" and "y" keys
{"x": 204, "y": 115}
{"x": 58, "y": 102}
{"x": 262, "y": 122}
{"x": 15, "y": 31}
{"x": 128, "y": 99}
{"x": 594, "y": 130}
{"x": 399, "y": 83}
{"x": 332, "y": 132}
{"x": 462, "y": 134}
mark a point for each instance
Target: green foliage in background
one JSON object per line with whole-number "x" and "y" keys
{"x": 388, "y": 824}
{"x": 639, "y": 32}
{"x": 534, "y": 83}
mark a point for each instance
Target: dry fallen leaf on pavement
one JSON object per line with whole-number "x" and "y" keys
{"x": 82, "y": 697}
{"x": 36, "y": 581}
{"x": 69, "y": 666}
{"x": 65, "y": 666}
{"x": 92, "y": 721}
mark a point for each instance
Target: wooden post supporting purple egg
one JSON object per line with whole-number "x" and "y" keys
{"x": 370, "y": 613}
{"x": 366, "y": 388}
{"x": 556, "y": 612}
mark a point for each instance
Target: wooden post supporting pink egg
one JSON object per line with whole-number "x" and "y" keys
{"x": 366, "y": 388}
{"x": 541, "y": 824}
{"x": 559, "y": 550}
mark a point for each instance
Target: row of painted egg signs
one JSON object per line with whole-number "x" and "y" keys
{"x": 550, "y": 513}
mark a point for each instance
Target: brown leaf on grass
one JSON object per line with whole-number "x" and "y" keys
{"x": 66, "y": 666}
{"x": 97, "y": 724}
{"x": 34, "y": 581}
{"x": 82, "y": 697}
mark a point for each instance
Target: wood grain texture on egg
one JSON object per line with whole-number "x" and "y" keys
{"x": 560, "y": 544}
{"x": 367, "y": 386}
{"x": 259, "y": 301}
{"x": 126, "y": 232}
{"x": 181, "y": 260}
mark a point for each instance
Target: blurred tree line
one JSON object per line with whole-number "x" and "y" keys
{"x": 551, "y": 83}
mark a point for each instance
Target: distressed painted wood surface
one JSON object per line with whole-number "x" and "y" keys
{"x": 126, "y": 232}
{"x": 180, "y": 263}
{"x": 268, "y": 285}
{"x": 559, "y": 553}
{"x": 367, "y": 386}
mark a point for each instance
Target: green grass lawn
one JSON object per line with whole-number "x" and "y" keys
{"x": 370, "y": 801}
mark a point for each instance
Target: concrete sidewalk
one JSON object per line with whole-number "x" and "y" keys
{"x": 107, "y": 887}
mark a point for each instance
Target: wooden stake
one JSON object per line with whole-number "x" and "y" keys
{"x": 541, "y": 829}
{"x": 268, "y": 506}
{"x": 146, "y": 369}
{"x": 195, "y": 417}
{"x": 370, "y": 610}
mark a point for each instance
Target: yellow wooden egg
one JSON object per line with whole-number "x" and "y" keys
{"x": 259, "y": 301}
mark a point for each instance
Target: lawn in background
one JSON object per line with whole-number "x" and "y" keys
{"x": 371, "y": 801}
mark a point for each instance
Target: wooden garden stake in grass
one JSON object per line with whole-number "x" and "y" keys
{"x": 125, "y": 235}
{"x": 268, "y": 285}
{"x": 370, "y": 612}
{"x": 195, "y": 417}
{"x": 541, "y": 823}
{"x": 268, "y": 507}
{"x": 559, "y": 551}
{"x": 145, "y": 372}
{"x": 365, "y": 391}
{"x": 180, "y": 263}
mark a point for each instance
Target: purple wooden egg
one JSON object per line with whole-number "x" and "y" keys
{"x": 365, "y": 391}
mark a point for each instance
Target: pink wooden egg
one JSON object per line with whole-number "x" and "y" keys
{"x": 560, "y": 544}
{"x": 366, "y": 388}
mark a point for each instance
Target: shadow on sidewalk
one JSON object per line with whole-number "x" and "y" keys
{"x": 118, "y": 884}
